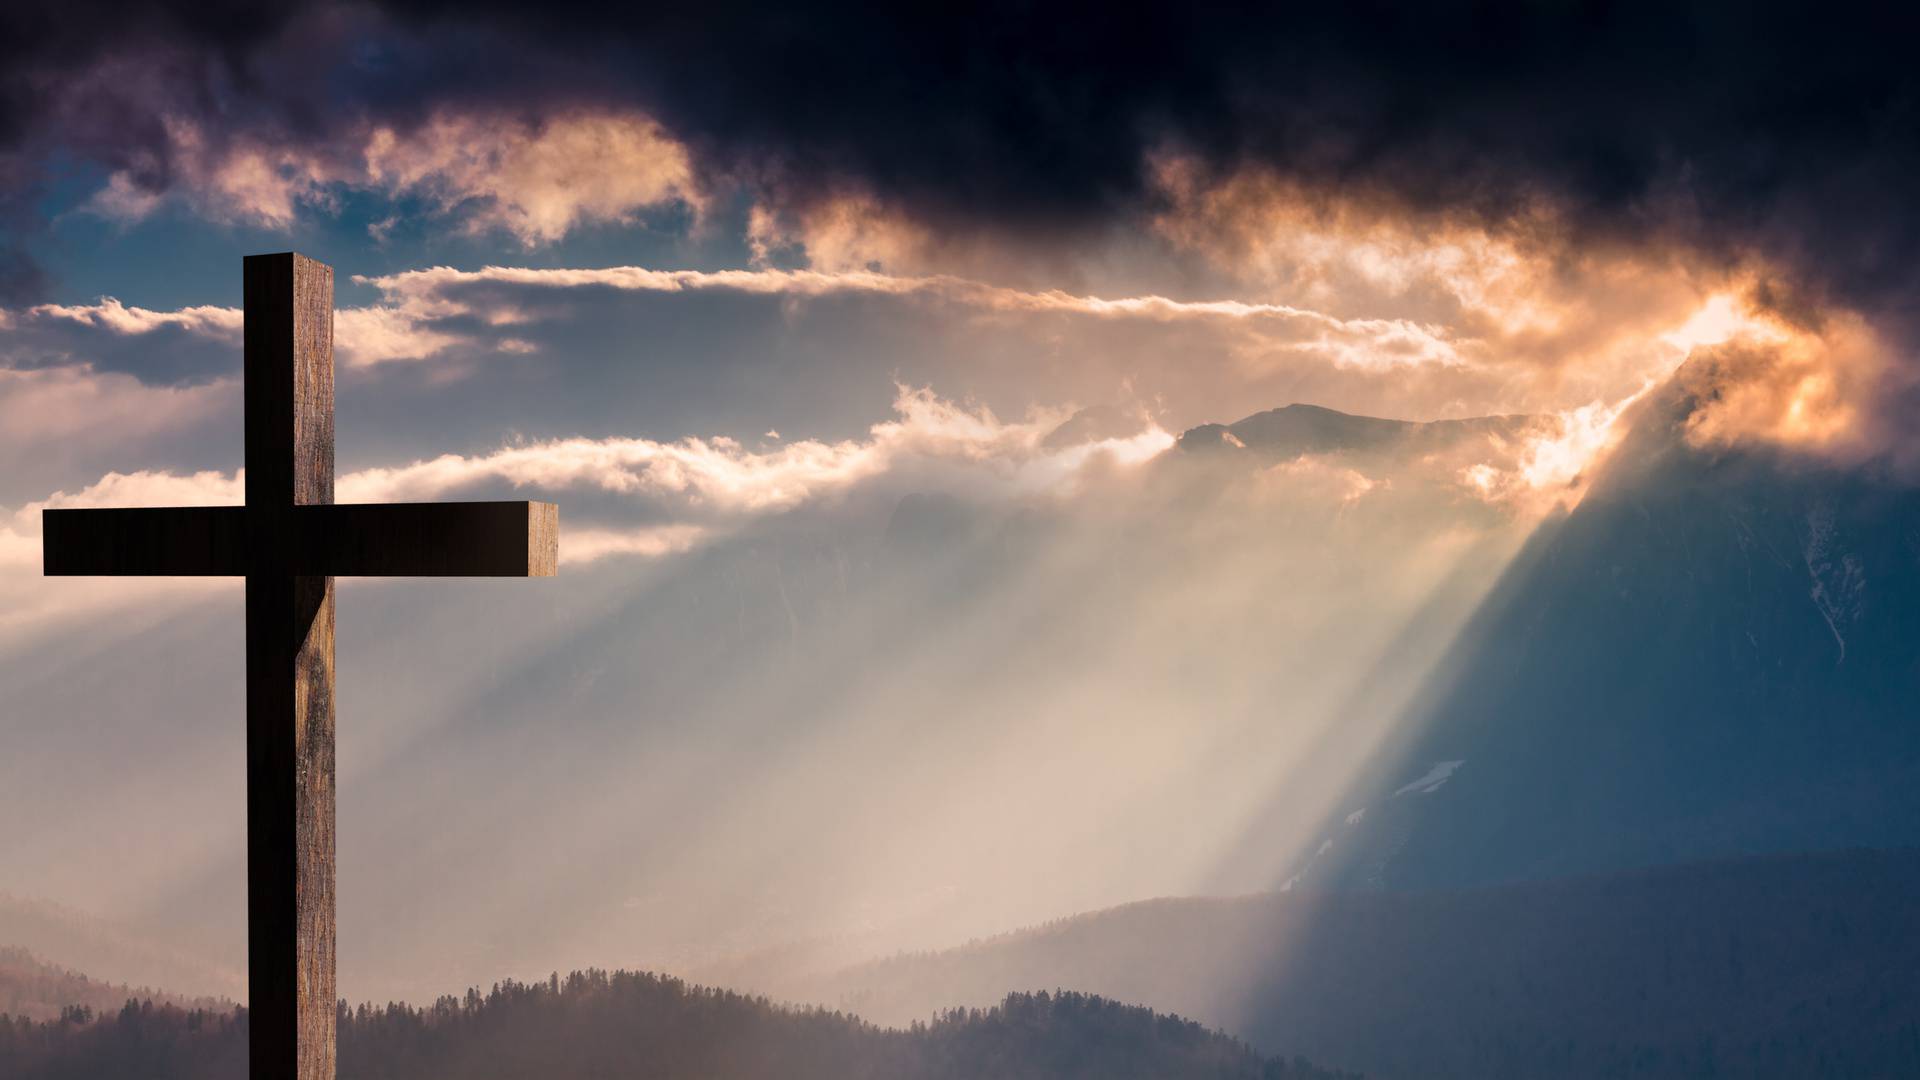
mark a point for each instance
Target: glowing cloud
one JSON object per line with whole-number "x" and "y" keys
{"x": 1555, "y": 320}
{"x": 416, "y": 298}
{"x": 717, "y": 477}
{"x": 221, "y": 323}
{"x": 1551, "y": 466}
{"x": 536, "y": 180}
{"x": 707, "y": 484}
{"x": 851, "y": 232}
{"x": 648, "y": 542}
{"x": 1825, "y": 390}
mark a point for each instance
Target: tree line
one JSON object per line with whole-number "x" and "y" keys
{"x": 651, "y": 1027}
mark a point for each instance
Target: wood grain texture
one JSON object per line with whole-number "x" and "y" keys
{"x": 290, "y": 827}
{"x": 290, "y": 715}
{"x": 185, "y": 541}
{"x": 288, "y": 339}
{"x": 472, "y": 539}
{"x": 543, "y": 539}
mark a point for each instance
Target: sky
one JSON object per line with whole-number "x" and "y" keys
{"x": 855, "y": 348}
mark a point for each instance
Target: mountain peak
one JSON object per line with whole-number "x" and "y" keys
{"x": 1302, "y": 428}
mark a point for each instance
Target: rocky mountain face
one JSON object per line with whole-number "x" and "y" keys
{"x": 1717, "y": 652}
{"x": 1427, "y": 463}
{"x": 1298, "y": 429}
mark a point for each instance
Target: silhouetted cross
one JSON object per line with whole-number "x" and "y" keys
{"x": 288, "y": 541}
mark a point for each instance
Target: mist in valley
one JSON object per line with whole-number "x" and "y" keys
{"x": 972, "y": 692}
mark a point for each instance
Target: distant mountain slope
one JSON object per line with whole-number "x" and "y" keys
{"x": 1716, "y": 653}
{"x": 33, "y": 989}
{"x": 111, "y": 953}
{"x": 1313, "y": 429}
{"x": 641, "y": 1026}
{"x": 1785, "y": 967}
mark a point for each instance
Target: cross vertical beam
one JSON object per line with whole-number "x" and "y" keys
{"x": 288, "y": 341}
{"x": 287, "y": 541}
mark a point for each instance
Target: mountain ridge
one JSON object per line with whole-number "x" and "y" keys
{"x": 595, "y": 1024}
{"x": 1305, "y": 428}
{"x": 1663, "y": 971}
{"x": 1710, "y": 655}
{"x": 112, "y": 953}
{"x": 33, "y": 989}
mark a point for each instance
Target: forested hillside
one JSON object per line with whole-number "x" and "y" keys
{"x": 114, "y": 952}
{"x": 32, "y": 989}
{"x": 644, "y": 1027}
{"x": 1785, "y": 967}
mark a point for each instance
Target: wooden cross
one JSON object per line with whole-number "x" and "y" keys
{"x": 289, "y": 541}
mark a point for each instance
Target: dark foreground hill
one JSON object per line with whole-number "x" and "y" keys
{"x": 638, "y": 1027}
{"x": 1785, "y": 966}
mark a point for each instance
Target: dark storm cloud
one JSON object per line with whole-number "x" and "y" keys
{"x": 50, "y": 53}
{"x": 1787, "y": 134}
{"x": 1792, "y": 133}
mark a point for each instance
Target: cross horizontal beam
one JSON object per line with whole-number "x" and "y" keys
{"x": 471, "y": 539}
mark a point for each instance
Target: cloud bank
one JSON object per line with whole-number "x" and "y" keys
{"x": 1543, "y": 193}
{"x": 1631, "y": 121}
